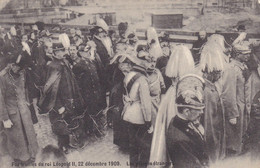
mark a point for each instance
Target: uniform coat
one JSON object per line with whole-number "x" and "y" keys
{"x": 185, "y": 145}
{"x": 89, "y": 83}
{"x": 136, "y": 112}
{"x": 214, "y": 121}
{"x": 21, "y": 138}
{"x": 236, "y": 98}
{"x": 156, "y": 85}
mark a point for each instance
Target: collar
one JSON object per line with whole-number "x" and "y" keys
{"x": 209, "y": 84}
{"x": 241, "y": 65}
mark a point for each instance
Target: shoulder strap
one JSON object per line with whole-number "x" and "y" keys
{"x": 132, "y": 81}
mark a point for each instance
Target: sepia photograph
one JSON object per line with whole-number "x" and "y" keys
{"x": 130, "y": 83}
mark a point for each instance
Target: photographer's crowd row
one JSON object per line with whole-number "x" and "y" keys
{"x": 165, "y": 104}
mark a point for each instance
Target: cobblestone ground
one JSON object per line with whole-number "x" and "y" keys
{"x": 101, "y": 150}
{"x": 96, "y": 151}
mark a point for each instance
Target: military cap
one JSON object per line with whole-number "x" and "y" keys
{"x": 243, "y": 47}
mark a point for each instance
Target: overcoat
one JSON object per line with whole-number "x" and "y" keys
{"x": 236, "y": 98}
{"x": 21, "y": 138}
{"x": 214, "y": 121}
{"x": 89, "y": 83}
{"x": 186, "y": 145}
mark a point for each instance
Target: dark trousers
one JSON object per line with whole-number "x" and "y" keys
{"x": 136, "y": 133}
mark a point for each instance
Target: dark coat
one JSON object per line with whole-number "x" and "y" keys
{"x": 196, "y": 49}
{"x": 161, "y": 65}
{"x": 21, "y": 138}
{"x": 105, "y": 70}
{"x": 102, "y": 52}
{"x": 89, "y": 83}
{"x": 61, "y": 89}
{"x": 185, "y": 146}
{"x": 237, "y": 103}
{"x": 214, "y": 121}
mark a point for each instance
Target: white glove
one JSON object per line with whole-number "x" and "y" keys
{"x": 233, "y": 121}
{"x": 8, "y": 123}
{"x": 150, "y": 130}
{"x": 61, "y": 110}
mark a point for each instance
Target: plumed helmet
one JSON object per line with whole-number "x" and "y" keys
{"x": 151, "y": 35}
{"x": 102, "y": 24}
{"x": 240, "y": 38}
{"x": 180, "y": 63}
{"x": 190, "y": 92}
{"x": 243, "y": 47}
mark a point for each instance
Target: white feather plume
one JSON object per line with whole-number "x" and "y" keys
{"x": 180, "y": 63}
{"x": 64, "y": 39}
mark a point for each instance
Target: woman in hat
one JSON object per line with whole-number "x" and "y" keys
{"x": 125, "y": 64}
{"x": 180, "y": 63}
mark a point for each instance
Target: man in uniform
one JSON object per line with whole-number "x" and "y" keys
{"x": 236, "y": 98}
{"x": 185, "y": 135}
{"x": 62, "y": 98}
{"x": 15, "y": 116}
{"x": 212, "y": 67}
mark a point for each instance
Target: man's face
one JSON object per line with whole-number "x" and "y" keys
{"x": 24, "y": 38}
{"x": 193, "y": 114}
{"x": 59, "y": 54}
{"x": 165, "y": 48}
{"x": 122, "y": 33}
{"x": 124, "y": 67}
{"x": 16, "y": 69}
{"x": 202, "y": 35}
{"x": 48, "y": 48}
{"x": 73, "y": 53}
{"x": 102, "y": 34}
{"x": 243, "y": 57}
{"x": 213, "y": 76}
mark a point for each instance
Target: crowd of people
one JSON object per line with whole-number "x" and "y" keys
{"x": 167, "y": 104}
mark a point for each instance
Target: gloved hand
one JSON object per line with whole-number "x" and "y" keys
{"x": 233, "y": 121}
{"x": 61, "y": 110}
{"x": 8, "y": 123}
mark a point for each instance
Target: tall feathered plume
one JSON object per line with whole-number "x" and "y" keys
{"x": 180, "y": 63}
{"x": 155, "y": 49}
{"x": 64, "y": 39}
{"x": 212, "y": 58}
{"x": 218, "y": 39}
